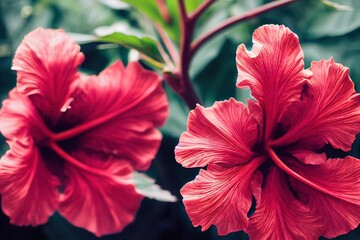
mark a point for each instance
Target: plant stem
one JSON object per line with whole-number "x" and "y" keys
{"x": 163, "y": 10}
{"x": 178, "y": 78}
{"x": 186, "y": 90}
{"x": 186, "y": 28}
{"x": 189, "y": 95}
{"x": 197, "y": 13}
{"x": 237, "y": 19}
{"x": 179, "y": 81}
{"x": 174, "y": 54}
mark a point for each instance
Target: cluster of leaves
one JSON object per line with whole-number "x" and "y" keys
{"x": 107, "y": 30}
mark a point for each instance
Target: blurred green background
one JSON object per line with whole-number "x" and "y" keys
{"x": 323, "y": 32}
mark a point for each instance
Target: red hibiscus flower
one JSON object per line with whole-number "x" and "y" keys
{"x": 270, "y": 153}
{"x": 75, "y": 140}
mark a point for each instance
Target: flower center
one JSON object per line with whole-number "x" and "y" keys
{"x": 279, "y": 163}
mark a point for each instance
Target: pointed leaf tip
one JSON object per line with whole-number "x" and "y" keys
{"x": 146, "y": 186}
{"x": 337, "y": 6}
{"x": 143, "y": 44}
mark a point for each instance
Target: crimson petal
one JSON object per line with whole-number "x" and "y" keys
{"x": 222, "y": 196}
{"x": 29, "y": 191}
{"x": 329, "y": 111}
{"x": 340, "y": 211}
{"x": 273, "y": 70}
{"x": 49, "y": 71}
{"x": 279, "y": 215}
{"x": 132, "y": 103}
{"x": 223, "y": 133}
{"x": 19, "y": 117}
{"x": 307, "y": 156}
{"x": 101, "y": 197}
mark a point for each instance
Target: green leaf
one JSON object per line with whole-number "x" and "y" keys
{"x": 144, "y": 45}
{"x": 337, "y": 6}
{"x": 150, "y": 8}
{"x": 239, "y": 33}
{"x": 330, "y": 22}
{"x": 217, "y": 81}
{"x": 191, "y": 5}
{"x": 176, "y": 123}
{"x": 312, "y": 19}
{"x": 344, "y": 49}
{"x": 146, "y": 186}
{"x": 128, "y": 37}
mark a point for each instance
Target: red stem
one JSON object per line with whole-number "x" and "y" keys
{"x": 186, "y": 28}
{"x": 186, "y": 90}
{"x": 91, "y": 124}
{"x": 182, "y": 85}
{"x": 297, "y": 176}
{"x": 234, "y": 20}
{"x": 197, "y": 13}
{"x": 179, "y": 79}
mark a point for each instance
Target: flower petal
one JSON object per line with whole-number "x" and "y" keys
{"x": 221, "y": 196}
{"x": 329, "y": 111}
{"x": 126, "y": 105}
{"x": 131, "y": 91}
{"x": 223, "y": 133}
{"x": 46, "y": 63}
{"x": 18, "y": 117}
{"x": 273, "y": 70}
{"x": 279, "y": 215}
{"x": 341, "y": 212}
{"x": 102, "y": 200}
{"x": 307, "y": 156}
{"x": 29, "y": 191}
{"x": 135, "y": 141}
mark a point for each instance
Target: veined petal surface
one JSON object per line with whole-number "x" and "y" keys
{"x": 128, "y": 103}
{"x": 18, "y": 116}
{"x": 299, "y": 192}
{"x": 328, "y": 112}
{"x": 221, "y": 196}
{"x": 307, "y": 156}
{"x": 29, "y": 191}
{"x": 340, "y": 212}
{"x": 279, "y": 215}
{"x": 46, "y": 62}
{"x": 273, "y": 69}
{"x": 223, "y": 133}
{"x": 101, "y": 196}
